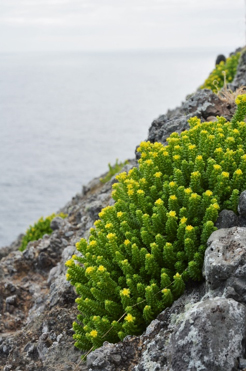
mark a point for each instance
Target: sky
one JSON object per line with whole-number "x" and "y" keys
{"x": 104, "y": 25}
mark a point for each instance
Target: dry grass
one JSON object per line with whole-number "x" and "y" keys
{"x": 227, "y": 95}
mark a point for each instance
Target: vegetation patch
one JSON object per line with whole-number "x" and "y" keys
{"x": 152, "y": 240}
{"x": 215, "y": 81}
{"x": 113, "y": 169}
{"x": 38, "y": 230}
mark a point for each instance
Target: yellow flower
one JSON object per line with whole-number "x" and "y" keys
{"x": 140, "y": 192}
{"x": 143, "y": 155}
{"x": 159, "y": 201}
{"x": 238, "y": 172}
{"x": 68, "y": 276}
{"x": 216, "y": 206}
{"x": 101, "y": 269}
{"x": 173, "y": 198}
{"x": 189, "y": 228}
{"x": 208, "y": 193}
{"x": 158, "y": 174}
{"x": 195, "y": 174}
{"x": 119, "y": 214}
{"x": 115, "y": 186}
{"x": 125, "y": 292}
{"x": 240, "y": 99}
{"x": 129, "y": 318}
{"x": 188, "y": 190}
{"x": 93, "y": 243}
{"x": 127, "y": 242}
{"x": 172, "y": 184}
{"x": 199, "y": 158}
{"x": 176, "y": 157}
{"x": 89, "y": 270}
{"x": 69, "y": 263}
{"x": 97, "y": 223}
{"x": 108, "y": 225}
{"x": 165, "y": 291}
{"x": 102, "y": 214}
{"x": 130, "y": 192}
{"x": 172, "y": 214}
{"x": 191, "y": 147}
{"x": 194, "y": 196}
{"x": 225, "y": 174}
{"x": 177, "y": 275}
{"x": 143, "y": 181}
{"x": 217, "y": 167}
{"x": 149, "y": 162}
{"x": 93, "y": 333}
{"x": 183, "y": 220}
{"x": 121, "y": 176}
{"x": 111, "y": 236}
{"x": 218, "y": 150}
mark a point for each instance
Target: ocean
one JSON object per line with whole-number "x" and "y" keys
{"x": 65, "y": 116}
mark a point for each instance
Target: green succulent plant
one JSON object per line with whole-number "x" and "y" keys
{"x": 215, "y": 81}
{"x": 113, "y": 169}
{"x": 38, "y": 230}
{"x": 152, "y": 240}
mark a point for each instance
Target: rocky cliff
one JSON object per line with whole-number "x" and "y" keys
{"x": 203, "y": 330}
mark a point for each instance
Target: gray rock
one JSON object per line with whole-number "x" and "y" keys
{"x": 240, "y": 78}
{"x": 11, "y": 299}
{"x": 225, "y": 253}
{"x": 209, "y": 336}
{"x": 242, "y": 204}
{"x": 227, "y": 219}
{"x": 56, "y": 223}
{"x": 242, "y": 363}
{"x": 204, "y": 104}
{"x": 93, "y": 209}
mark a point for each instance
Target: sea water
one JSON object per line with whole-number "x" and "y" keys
{"x": 65, "y": 116}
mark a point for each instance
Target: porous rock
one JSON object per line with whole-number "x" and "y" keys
{"x": 226, "y": 252}
{"x": 202, "y": 338}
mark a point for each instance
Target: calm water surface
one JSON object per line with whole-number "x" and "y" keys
{"x": 65, "y": 116}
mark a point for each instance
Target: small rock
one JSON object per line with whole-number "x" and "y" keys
{"x": 226, "y": 219}
{"x": 242, "y": 363}
{"x": 211, "y": 118}
{"x": 11, "y": 299}
{"x": 69, "y": 234}
{"x": 242, "y": 204}
{"x": 56, "y": 223}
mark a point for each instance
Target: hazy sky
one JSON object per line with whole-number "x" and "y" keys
{"x": 33, "y": 25}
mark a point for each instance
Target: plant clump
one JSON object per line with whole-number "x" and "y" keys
{"x": 152, "y": 240}
{"x": 38, "y": 230}
{"x": 113, "y": 169}
{"x": 215, "y": 81}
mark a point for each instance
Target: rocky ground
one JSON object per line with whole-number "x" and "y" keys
{"x": 203, "y": 330}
